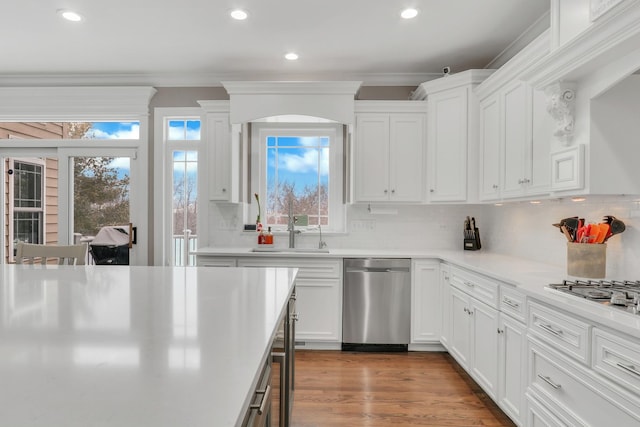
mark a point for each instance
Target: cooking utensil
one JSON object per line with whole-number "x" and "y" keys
{"x": 617, "y": 227}
{"x": 602, "y": 234}
{"x": 563, "y": 229}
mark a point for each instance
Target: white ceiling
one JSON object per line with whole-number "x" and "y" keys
{"x": 191, "y": 42}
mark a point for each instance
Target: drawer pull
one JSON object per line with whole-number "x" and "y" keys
{"x": 469, "y": 284}
{"x": 510, "y": 303}
{"x": 295, "y": 316}
{"x": 551, "y": 329}
{"x": 548, "y": 381}
{"x": 266, "y": 398}
{"x": 629, "y": 368}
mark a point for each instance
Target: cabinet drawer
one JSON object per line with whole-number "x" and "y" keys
{"x": 617, "y": 359}
{"x": 539, "y": 416}
{"x": 568, "y": 388}
{"x": 307, "y": 268}
{"x": 205, "y": 261}
{"x": 260, "y": 405}
{"x": 564, "y": 333}
{"x": 512, "y": 302}
{"x": 475, "y": 285}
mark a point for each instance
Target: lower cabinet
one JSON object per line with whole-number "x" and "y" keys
{"x": 425, "y": 302}
{"x": 319, "y": 298}
{"x": 512, "y": 342}
{"x": 474, "y": 339}
{"x": 574, "y": 394}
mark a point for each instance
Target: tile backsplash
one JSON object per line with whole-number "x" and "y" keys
{"x": 516, "y": 228}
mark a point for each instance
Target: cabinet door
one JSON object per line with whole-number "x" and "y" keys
{"x": 425, "y": 319}
{"x": 459, "y": 343}
{"x": 490, "y": 148}
{"x": 539, "y": 153}
{"x": 445, "y": 304}
{"x": 447, "y": 142}
{"x": 406, "y": 155}
{"x": 515, "y": 127}
{"x": 371, "y": 161}
{"x": 484, "y": 351}
{"x": 511, "y": 362}
{"x": 319, "y": 310}
{"x": 219, "y": 149}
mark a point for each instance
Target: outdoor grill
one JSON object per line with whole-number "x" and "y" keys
{"x": 111, "y": 246}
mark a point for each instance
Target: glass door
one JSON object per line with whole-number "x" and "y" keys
{"x": 72, "y": 196}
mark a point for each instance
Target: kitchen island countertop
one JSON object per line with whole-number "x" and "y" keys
{"x": 135, "y": 346}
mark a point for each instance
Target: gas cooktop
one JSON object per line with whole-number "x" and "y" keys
{"x": 621, "y": 294}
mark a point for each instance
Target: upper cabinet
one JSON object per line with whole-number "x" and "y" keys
{"x": 452, "y": 136}
{"x": 222, "y": 152}
{"x": 515, "y": 132}
{"x": 388, "y": 150}
{"x": 526, "y": 137}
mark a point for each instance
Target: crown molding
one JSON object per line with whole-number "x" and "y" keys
{"x": 75, "y": 103}
{"x": 390, "y": 106}
{"x": 291, "y": 87}
{"x": 464, "y": 78}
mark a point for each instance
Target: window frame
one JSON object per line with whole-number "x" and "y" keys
{"x": 11, "y": 201}
{"x": 259, "y": 133}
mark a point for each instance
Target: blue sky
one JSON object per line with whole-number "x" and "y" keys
{"x": 299, "y": 159}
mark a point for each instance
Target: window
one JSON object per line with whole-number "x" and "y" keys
{"x": 301, "y": 165}
{"x": 28, "y": 196}
{"x": 182, "y": 141}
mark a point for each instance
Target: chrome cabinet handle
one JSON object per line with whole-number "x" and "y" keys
{"x": 469, "y": 284}
{"x": 495, "y": 186}
{"x": 549, "y": 381}
{"x": 224, "y": 190}
{"x": 295, "y": 316}
{"x": 510, "y": 303}
{"x": 629, "y": 368}
{"x": 551, "y": 329}
{"x": 432, "y": 190}
{"x": 266, "y": 394}
{"x": 500, "y": 331}
{"x": 386, "y": 191}
{"x": 393, "y": 191}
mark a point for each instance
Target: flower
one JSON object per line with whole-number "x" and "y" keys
{"x": 259, "y": 210}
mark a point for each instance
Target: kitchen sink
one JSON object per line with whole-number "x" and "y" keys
{"x": 291, "y": 250}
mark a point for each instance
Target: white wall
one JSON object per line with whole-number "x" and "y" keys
{"x": 525, "y": 230}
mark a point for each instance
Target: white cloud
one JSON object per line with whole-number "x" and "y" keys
{"x": 133, "y": 133}
{"x": 308, "y": 162}
{"x": 121, "y": 163}
{"x": 176, "y": 133}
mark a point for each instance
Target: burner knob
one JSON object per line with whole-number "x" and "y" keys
{"x": 618, "y": 298}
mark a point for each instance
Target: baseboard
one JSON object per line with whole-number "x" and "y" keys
{"x": 427, "y": 347}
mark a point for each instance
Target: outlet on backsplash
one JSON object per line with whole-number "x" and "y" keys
{"x": 361, "y": 225}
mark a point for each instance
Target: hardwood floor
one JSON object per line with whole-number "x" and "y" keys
{"x": 347, "y": 389}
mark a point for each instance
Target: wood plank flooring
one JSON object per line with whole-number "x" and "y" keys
{"x": 346, "y": 389}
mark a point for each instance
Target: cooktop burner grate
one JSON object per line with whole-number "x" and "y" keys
{"x": 622, "y": 294}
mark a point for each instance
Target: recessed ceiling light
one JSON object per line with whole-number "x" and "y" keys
{"x": 70, "y": 15}
{"x": 291, "y": 56}
{"x": 535, "y": 202}
{"x": 409, "y": 13}
{"x": 578, "y": 199}
{"x": 239, "y": 14}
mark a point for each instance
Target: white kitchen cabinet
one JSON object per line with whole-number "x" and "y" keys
{"x": 527, "y": 133}
{"x": 511, "y": 361}
{"x": 223, "y": 153}
{"x": 445, "y": 306}
{"x": 389, "y": 153}
{"x": 319, "y": 298}
{"x": 425, "y": 301}
{"x": 490, "y": 148}
{"x": 447, "y": 138}
{"x": 573, "y": 393}
{"x": 452, "y": 128}
{"x": 474, "y": 330}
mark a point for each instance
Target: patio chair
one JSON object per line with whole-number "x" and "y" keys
{"x": 28, "y": 253}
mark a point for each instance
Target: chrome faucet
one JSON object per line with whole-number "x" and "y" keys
{"x": 321, "y": 244}
{"x": 291, "y": 226}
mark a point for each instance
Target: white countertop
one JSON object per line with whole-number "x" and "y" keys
{"x": 135, "y": 346}
{"x": 528, "y": 276}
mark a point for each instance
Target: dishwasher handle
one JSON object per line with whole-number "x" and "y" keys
{"x": 377, "y": 270}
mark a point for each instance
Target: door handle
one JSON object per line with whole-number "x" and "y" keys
{"x": 133, "y": 235}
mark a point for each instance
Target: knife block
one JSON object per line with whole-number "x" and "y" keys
{"x": 587, "y": 260}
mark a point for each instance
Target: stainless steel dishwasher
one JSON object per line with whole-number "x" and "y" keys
{"x": 376, "y": 312}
